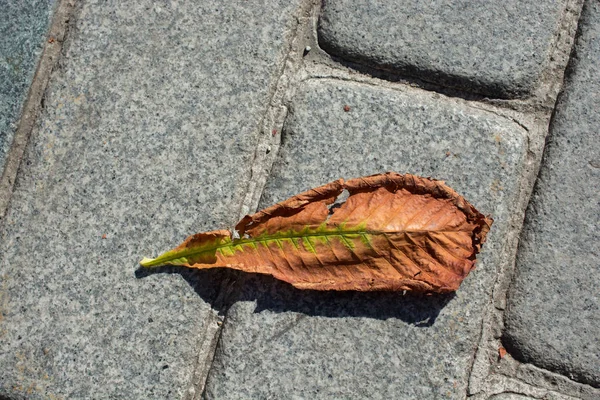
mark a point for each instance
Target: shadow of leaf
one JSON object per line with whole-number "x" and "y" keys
{"x": 207, "y": 283}
{"x": 221, "y": 287}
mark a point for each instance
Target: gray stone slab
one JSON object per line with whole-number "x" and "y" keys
{"x": 279, "y": 342}
{"x": 553, "y": 318}
{"x": 510, "y": 396}
{"x": 496, "y": 48}
{"x": 147, "y": 135}
{"x": 23, "y": 28}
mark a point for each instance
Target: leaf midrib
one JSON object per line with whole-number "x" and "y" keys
{"x": 240, "y": 242}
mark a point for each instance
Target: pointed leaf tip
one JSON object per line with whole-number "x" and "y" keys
{"x": 393, "y": 232}
{"x": 147, "y": 262}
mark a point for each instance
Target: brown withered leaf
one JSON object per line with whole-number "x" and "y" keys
{"x": 502, "y": 352}
{"x": 394, "y": 232}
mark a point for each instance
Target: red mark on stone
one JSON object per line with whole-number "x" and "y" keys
{"x": 346, "y": 108}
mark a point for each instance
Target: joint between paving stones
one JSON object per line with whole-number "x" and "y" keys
{"x": 271, "y": 126}
{"x": 541, "y": 100}
{"x": 553, "y": 76}
{"x": 490, "y": 332}
{"x": 49, "y": 59}
{"x": 504, "y": 385}
{"x": 267, "y": 146}
{"x": 361, "y": 71}
{"x": 214, "y": 325}
{"x": 529, "y": 373}
{"x": 525, "y": 379}
{"x": 532, "y": 114}
{"x": 494, "y": 318}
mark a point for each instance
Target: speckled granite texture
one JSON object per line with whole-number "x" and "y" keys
{"x": 147, "y": 135}
{"x": 23, "y": 28}
{"x": 153, "y": 120}
{"x": 553, "y": 319}
{"x": 496, "y": 48}
{"x": 281, "y": 342}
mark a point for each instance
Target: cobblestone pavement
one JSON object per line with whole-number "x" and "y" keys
{"x": 125, "y": 127}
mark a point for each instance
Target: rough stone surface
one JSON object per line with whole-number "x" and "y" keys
{"x": 496, "y": 48}
{"x": 23, "y": 28}
{"x": 510, "y": 396}
{"x": 553, "y": 318}
{"x": 279, "y": 342}
{"x": 147, "y": 135}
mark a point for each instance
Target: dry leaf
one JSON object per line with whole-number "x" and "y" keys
{"x": 394, "y": 232}
{"x": 501, "y": 352}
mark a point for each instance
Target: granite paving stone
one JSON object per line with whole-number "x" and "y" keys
{"x": 510, "y": 396}
{"x": 23, "y": 28}
{"x": 280, "y": 342}
{"x": 147, "y": 135}
{"x": 496, "y": 48}
{"x": 553, "y": 318}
